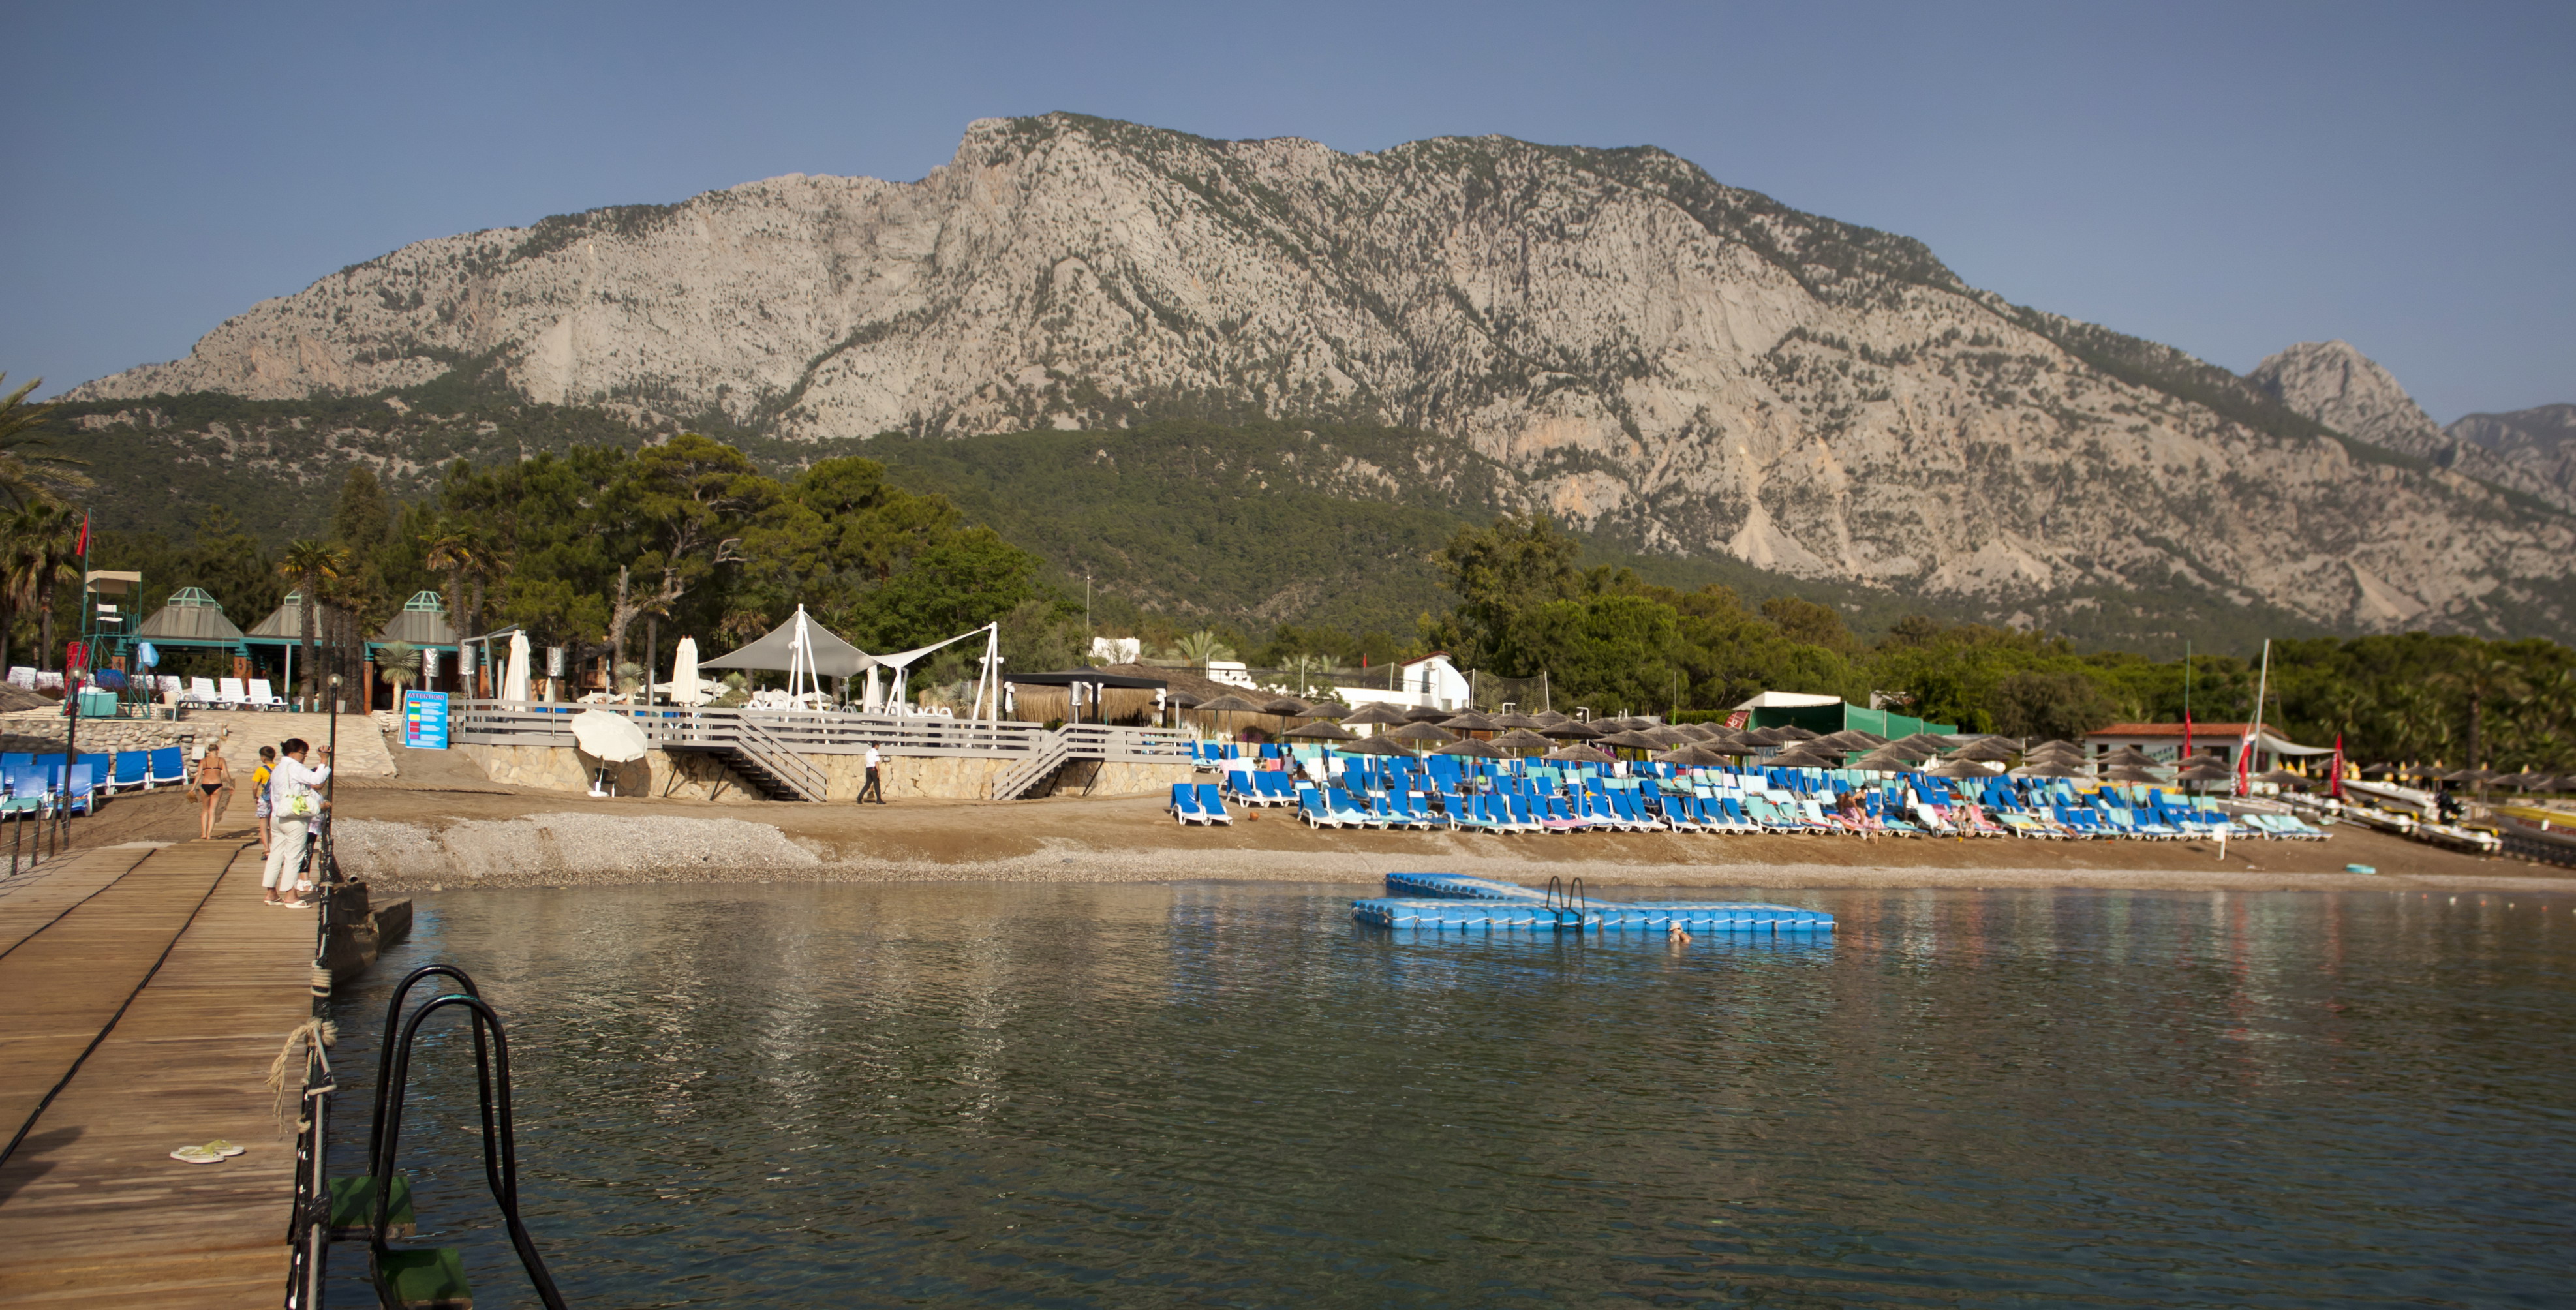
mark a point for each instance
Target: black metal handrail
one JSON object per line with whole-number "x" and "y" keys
{"x": 500, "y": 1147}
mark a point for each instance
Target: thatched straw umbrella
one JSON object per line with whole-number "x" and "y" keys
{"x": 2047, "y": 769}
{"x": 1429, "y": 734}
{"x": 2128, "y": 757}
{"x": 1523, "y": 740}
{"x": 1321, "y": 731}
{"x": 1631, "y": 739}
{"x": 1576, "y": 753}
{"x": 1790, "y": 732}
{"x": 1426, "y": 714}
{"x": 1375, "y": 746}
{"x": 1986, "y": 750}
{"x": 1508, "y": 722}
{"x": 1692, "y": 756}
{"x": 1569, "y": 731}
{"x": 1470, "y": 748}
{"x": 1228, "y": 704}
{"x": 1471, "y": 721}
{"x": 1957, "y": 766}
{"x": 1328, "y": 709}
{"x": 2130, "y": 773}
{"x": 1374, "y": 714}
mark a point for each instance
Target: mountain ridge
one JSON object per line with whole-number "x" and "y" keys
{"x": 1657, "y": 356}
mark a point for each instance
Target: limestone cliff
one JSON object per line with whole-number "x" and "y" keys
{"x": 1657, "y": 356}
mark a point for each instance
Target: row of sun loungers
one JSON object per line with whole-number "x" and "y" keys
{"x": 35, "y": 785}
{"x": 231, "y": 694}
{"x": 1516, "y": 797}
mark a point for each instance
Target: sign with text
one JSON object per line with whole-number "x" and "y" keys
{"x": 425, "y": 720}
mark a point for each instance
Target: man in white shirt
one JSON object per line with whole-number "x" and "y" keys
{"x": 875, "y": 786}
{"x": 293, "y": 804}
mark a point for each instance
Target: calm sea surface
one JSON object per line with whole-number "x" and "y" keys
{"x": 1229, "y": 1095}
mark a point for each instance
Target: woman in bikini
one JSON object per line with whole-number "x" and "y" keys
{"x": 213, "y": 775}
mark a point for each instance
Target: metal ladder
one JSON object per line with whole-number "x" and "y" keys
{"x": 358, "y": 1209}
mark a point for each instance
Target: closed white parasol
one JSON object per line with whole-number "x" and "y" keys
{"x": 610, "y": 738}
{"x": 514, "y": 683}
{"x": 684, "y": 674}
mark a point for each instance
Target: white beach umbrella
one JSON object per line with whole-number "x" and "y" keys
{"x": 608, "y": 738}
{"x": 514, "y": 683}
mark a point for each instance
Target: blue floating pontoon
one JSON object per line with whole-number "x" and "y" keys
{"x": 1459, "y": 887}
{"x": 1444, "y": 901}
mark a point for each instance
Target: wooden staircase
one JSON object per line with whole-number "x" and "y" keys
{"x": 781, "y": 774}
{"x": 1031, "y": 774}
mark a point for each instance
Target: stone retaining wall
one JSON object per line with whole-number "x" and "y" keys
{"x": 700, "y": 776}
{"x": 45, "y": 732}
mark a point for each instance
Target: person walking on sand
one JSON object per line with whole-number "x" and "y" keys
{"x": 875, "y": 785}
{"x": 214, "y": 774}
{"x": 292, "y": 806}
{"x": 259, "y": 778}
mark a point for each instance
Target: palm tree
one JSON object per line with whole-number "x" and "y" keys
{"x": 1201, "y": 648}
{"x": 17, "y": 574}
{"x": 2482, "y": 677}
{"x": 52, "y": 536}
{"x": 398, "y": 663}
{"x": 28, "y": 475}
{"x": 463, "y": 556}
{"x": 310, "y": 563}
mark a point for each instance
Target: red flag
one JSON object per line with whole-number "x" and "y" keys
{"x": 2335, "y": 788}
{"x": 83, "y": 552}
{"x": 2186, "y": 736}
{"x": 2244, "y": 765}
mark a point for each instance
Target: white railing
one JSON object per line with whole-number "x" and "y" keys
{"x": 812, "y": 732}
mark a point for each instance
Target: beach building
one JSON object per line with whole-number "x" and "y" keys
{"x": 2219, "y": 741}
{"x": 192, "y": 620}
{"x": 1433, "y": 682}
{"x": 1827, "y": 715}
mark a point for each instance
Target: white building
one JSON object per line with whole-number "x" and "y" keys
{"x": 1431, "y": 681}
{"x": 1116, "y": 650}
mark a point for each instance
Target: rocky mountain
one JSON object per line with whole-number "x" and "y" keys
{"x": 1687, "y": 367}
{"x": 2538, "y": 446}
{"x": 2346, "y": 390}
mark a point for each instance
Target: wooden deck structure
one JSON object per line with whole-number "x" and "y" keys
{"x": 146, "y": 991}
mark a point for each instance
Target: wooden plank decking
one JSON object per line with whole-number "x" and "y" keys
{"x": 93, "y": 1212}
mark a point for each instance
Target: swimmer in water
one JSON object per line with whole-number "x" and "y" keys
{"x": 1676, "y": 934}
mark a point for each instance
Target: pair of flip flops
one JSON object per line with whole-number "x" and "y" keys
{"x": 218, "y": 1149}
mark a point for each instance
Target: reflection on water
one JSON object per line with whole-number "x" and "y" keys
{"x": 1221, "y": 1094}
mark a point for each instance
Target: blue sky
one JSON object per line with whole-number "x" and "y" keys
{"x": 2225, "y": 178}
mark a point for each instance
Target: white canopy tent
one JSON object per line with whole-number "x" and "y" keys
{"x": 807, "y": 651}
{"x": 987, "y": 681}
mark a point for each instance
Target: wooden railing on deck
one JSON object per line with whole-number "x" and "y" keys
{"x": 812, "y": 732}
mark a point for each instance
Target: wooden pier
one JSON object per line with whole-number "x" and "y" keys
{"x": 143, "y": 994}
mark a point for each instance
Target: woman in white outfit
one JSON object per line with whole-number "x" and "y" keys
{"x": 293, "y": 804}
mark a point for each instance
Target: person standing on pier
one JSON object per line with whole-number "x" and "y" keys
{"x": 292, "y": 806}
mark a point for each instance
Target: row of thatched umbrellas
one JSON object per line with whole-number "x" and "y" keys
{"x": 1562, "y": 738}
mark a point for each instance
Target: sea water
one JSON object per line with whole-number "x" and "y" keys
{"x": 1230, "y": 1094}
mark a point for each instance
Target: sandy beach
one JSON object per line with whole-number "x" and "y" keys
{"x": 439, "y": 824}
{"x": 436, "y": 823}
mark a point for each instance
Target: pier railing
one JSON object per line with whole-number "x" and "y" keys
{"x": 813, "y": 732}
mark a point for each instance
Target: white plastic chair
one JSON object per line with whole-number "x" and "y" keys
{"x": 264, "y": 697}
{"x": 201, "y": 693}
{"x": 233, "y": 695}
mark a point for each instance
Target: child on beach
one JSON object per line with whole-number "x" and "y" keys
{"x": 259, "y": 788}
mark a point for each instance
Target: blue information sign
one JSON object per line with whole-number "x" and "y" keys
{"x": 425, "y": 720}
